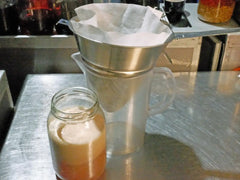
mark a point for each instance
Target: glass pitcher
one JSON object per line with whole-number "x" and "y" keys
{"x": 125, "y": 102}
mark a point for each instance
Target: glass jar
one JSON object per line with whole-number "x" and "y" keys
{"x": 36, "y": 17}
{"x": 215, "y": 11}
{"x": 76, "y": 131}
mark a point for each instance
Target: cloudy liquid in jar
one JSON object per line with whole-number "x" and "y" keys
{"x": 78, "y": 149}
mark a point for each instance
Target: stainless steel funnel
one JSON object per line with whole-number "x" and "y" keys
{"x": 112, "y": 90}
{"x": 113, "y": 71}
{"x": 122, "y": 60}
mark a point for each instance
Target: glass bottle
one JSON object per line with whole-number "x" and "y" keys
{"x": 76, "y": 130}
{"x": 8, "y": 17}
{"x": 215, "y": 11}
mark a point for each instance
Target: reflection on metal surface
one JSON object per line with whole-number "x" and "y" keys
{"x": 226, "y": 82}
{"x": 190, "y": 80}
{"x": 237, "y": 112}
{"x": 128, "y": 168}
{"x": 235, "y": 123}
{"x": 161, "y": 158}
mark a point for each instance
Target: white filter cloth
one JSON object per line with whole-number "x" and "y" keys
{"x": 121, "y": 24}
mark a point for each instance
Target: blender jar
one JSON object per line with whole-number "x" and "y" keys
{"x": 216, "y": 11}
{"x": 8, "y": 17}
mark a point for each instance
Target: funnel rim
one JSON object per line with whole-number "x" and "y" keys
{"x": 169, "y": 39}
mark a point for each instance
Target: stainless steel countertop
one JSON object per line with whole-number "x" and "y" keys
{"x": 197, "y": 138}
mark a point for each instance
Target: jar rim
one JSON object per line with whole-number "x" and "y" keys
{"x": 89, "y": 111}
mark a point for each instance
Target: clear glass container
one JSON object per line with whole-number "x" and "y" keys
{"x": 76, "y": 130}
{"x": 215, "y": 11}
{"x": 36, "y": 17}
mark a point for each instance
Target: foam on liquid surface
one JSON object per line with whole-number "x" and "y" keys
{"x": 76, "y": 133}
{"x": 82, "y": 133}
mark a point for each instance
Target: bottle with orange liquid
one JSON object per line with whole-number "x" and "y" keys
{"x": 216, "y": 11}
{"x": 76, "y": 130}
{"x": 36, "y": 17}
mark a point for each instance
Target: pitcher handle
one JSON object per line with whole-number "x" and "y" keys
{"x": 168, "y": 82}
